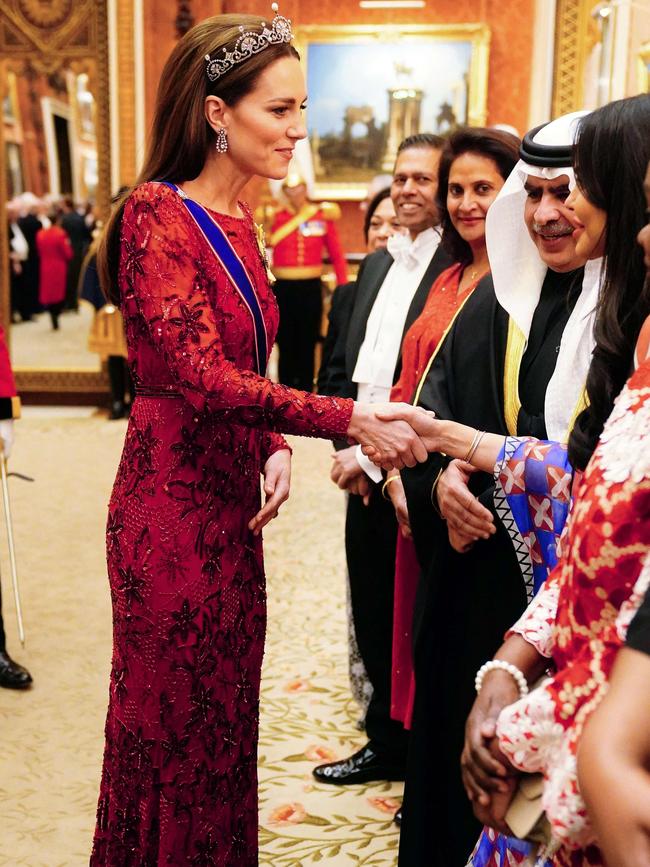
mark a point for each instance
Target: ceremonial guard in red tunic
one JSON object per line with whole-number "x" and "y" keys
{"x": 12, "y": 675}
{"x": 301, "y": 233}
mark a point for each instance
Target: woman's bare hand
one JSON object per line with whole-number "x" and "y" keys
{"x": 494, "y": 814}
{"x": 483, "y": 770}
{"x": 277, "y": 483}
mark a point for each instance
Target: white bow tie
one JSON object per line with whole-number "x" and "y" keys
{"x": 400, "y": 248}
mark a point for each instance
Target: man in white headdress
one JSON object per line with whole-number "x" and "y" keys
{"x": 515, "y": 361}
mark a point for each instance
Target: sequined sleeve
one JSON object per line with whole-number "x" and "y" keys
{"x": 161, "y": 270}
{"x": 271, "y": 443}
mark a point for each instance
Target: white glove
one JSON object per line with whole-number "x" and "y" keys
{"x": 7, "y": 435}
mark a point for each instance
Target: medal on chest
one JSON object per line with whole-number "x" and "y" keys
{"x": 261, "y": 246}
{"x": 313, "y": 229}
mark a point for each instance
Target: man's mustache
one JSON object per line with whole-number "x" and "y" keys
{"x": 553, "y": 230}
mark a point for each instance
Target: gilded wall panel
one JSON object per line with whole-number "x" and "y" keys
{"x": 59, "y": 52}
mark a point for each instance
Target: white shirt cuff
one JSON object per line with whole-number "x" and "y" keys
{"x": 370, "y": 469}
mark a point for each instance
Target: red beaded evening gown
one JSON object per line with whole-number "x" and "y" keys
{"x": 179, "y": 781}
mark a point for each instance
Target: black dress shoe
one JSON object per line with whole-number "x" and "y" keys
{"x": 363, "y": 767}
{"x": 397, "y": 818}
{"x": 12, "y": 675}
{"x": 118, "y": 410}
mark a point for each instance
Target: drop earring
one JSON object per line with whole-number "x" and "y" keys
{"x": 221, "y": 144}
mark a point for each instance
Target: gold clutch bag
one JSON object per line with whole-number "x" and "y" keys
{"x": 526, "y": 817}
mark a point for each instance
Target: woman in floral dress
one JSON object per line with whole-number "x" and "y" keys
{"x": 179, "y": 782}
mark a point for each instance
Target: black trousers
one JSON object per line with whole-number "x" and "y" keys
{"x": 72, "y": 282}
{"x": 301, "y": 308}
{"x": 370, "y": 540}
{"x": 55, "y": 311}
{"x": 119, "y": 379}
{"x": 19, "y": 298}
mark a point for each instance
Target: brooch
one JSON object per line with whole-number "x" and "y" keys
{"x": 261, "y": 245}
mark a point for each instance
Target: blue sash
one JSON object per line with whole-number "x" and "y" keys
{"x": 234, "y": 269}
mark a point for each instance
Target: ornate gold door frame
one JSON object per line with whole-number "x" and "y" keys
{"x": 43, "y": 37}
{"x": 572, "y": 22}
{"x": 576, "y": 34}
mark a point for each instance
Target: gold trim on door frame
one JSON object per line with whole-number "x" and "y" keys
{"x": 27, "y": 36}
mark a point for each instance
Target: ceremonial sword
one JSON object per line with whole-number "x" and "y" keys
{"x": 4, "y": 476}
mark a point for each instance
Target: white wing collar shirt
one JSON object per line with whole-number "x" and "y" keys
{"x": 377, "y": 359}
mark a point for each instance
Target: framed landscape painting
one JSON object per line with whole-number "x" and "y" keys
{"x": 370, "y": 87}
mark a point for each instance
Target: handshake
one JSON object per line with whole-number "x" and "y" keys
{"x": 395, "y": 435}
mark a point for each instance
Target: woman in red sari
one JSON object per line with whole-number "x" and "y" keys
{"x": 181, "y": 258}
{"x": 473, "y": 168}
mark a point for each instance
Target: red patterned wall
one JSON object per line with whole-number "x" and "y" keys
{"x": 510, "y": 73}
{"x": 511, "y": 23}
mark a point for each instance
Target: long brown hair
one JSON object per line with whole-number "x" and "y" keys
{"x": 180, "y": 134}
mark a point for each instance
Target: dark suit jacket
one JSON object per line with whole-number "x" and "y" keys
{"x": 337, "y": 329}
{"x": 77, "y": 230}
{"x": 349, "y": 317}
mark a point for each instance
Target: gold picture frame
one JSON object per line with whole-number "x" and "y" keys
{"x": 340, "y": 48}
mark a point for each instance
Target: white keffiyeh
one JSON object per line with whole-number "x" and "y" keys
{"x": 518, "y": 274}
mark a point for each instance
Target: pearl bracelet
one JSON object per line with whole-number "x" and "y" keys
{"x": 508, "y": 667}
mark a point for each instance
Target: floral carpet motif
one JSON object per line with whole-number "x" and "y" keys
{"x": 52, "y": 736}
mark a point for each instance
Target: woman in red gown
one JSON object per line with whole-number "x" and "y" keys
{"x": 179, "y": 782}
{"x": 55, "y": 252}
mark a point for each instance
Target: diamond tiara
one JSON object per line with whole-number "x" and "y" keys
{"x": 249, "y": 43}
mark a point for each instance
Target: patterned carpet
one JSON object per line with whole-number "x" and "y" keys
{"x": 52, "y": 736}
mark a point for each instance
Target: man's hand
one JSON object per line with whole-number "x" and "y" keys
{"x": 346, "y": 469}
{"x": 277, "y": 482}
{"x": 348, "y": 475}
{"x": 467, "y": 519}
{"x": 398, "y": 499}
{"x": 391, "y": 444}
{"x": 361, "y": 487}
{"x": 459, "y": 541}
